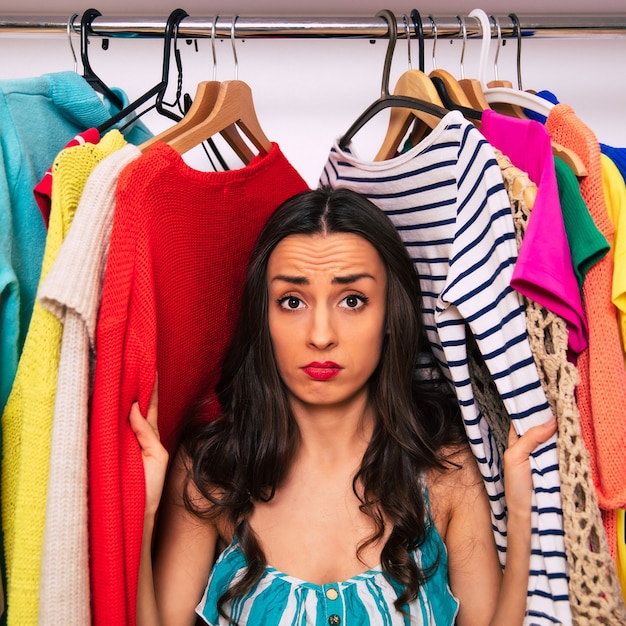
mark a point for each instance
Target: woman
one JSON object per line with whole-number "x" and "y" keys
{"x": 338, "y": 487}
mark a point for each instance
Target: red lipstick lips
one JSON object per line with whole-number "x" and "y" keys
{"x": 322, "y": 371}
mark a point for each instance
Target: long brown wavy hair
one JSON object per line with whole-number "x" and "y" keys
{"x": 245, "y": 455}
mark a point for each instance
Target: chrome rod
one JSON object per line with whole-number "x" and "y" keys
{"x": 535, "y": 26}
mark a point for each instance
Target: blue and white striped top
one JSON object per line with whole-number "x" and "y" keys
{"x": 278, "y": 599}
{"x": 447, "y": 199}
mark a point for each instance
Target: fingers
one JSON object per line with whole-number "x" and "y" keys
{"x": 534, "y": 436}
{"x": 140, "y": 426}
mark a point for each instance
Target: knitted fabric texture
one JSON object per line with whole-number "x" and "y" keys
{"x": 38, "y": 116}
{"x": 180, "y": 243}
{"x": 601, "y": 394}
{"x": 594, "y": 590}
{"x": 27, "y": 418}
{"x": 615, "y": 197}
{"x": 71, "y": 291}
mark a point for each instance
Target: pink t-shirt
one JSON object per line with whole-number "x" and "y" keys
{"x": 544, "y": 271}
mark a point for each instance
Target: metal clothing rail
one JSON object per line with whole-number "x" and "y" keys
{"x": 545, "y": 26}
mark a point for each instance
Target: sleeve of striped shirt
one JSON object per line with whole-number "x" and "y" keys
{"x": 478, "y": 294}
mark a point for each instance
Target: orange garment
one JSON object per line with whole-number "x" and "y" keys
{"x": 601, "y": 394}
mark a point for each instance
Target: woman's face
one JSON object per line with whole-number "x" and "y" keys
{"x": 327, "y": 304}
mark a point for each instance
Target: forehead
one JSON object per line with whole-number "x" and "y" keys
{"x": 335, "y": 253}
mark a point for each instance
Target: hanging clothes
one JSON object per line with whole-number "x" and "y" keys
{"x": 447, "y": 199}
{"x": 43, "y": 189}
{"x": 71, "y": 291}
{"x": 587, "y": 244}
{"x": 179, "y": 248}
{"x": 38, "y": 116}
{"x": 27, "y": 418}
{"x": 594, "y": 592}
{"x": 544, "y": 270}
{"x": 601, "y": 394}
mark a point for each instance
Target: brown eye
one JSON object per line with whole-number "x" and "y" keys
{"x": 354, "y": 301}
{"x": 290, "y": 303}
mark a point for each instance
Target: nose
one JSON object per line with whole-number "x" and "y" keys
{"x": 322, "y": 333}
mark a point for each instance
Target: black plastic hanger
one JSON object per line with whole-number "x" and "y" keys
{"x": 88, "y": 74}
{"x": 387, "y": 100}
{"x": 451, "y": 105}
{"x": 419, "y": 33}
{"x": 160, "y": 103}
{"x": 158, "y": 90}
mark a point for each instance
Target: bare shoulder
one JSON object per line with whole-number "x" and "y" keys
{"x": 454, "y": 486}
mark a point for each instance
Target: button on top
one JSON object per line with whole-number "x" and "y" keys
{"x": 334, "y": 620}
{"x": 332, "y": 594}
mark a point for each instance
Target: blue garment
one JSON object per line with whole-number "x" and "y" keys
{"x": 278, "y": 599}
{"x": 546, "y": 95}
{"x": 38, "y": 116}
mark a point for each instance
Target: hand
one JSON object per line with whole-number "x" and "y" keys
{"x": 155, "y": 456}
{"x": 518, "y": 484}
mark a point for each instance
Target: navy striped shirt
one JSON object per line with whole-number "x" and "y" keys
{"x": 447, "y": 199}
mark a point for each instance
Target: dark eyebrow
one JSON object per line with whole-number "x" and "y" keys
{"x": 337, "y": 280}
{"x": 294, "y": 280}
{"x": 351, "y": 278}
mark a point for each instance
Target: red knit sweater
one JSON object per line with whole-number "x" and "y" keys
{"x": 179, "y": 246}
{"x": 601, "y": 395}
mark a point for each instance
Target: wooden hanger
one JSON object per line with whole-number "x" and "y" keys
{"x": 413, "y": 84}
{"x": 504, "y": 94}
{"x": 472, "y": 87}
{"x": 512, "y": 110}
{"x": 221, "y": 107}
{"x": 386, "y": 99}
{"x": 451, "y": 85}
{"x": 450, "y": 91}
{"x": 505, "y": 108}
{"x": 203, "y": 103}
{"x": 233, "y": 105}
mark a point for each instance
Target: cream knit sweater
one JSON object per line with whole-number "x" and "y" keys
{"x": 72, "y": 292}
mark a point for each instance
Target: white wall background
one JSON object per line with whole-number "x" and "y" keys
{"x": 308, "y": 92}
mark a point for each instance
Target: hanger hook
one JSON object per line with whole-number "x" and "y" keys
{"x": 463, "y": 33}
{"x": 70, "y": 28}
{"x": 392, "y": 30}
{"x": 518, "y": 32}
{"x": 419, "y": 32}
{"x": 485, "y": 30}
{"x": 433, "y": 29}
{"x": 496, "y": 23}
{"x": 232, "y": 40}
{"x": 407, "y": 30}
{"x": 85, "y": 26}
{"x": 213, "y": 29}
{"x": 170, "y": 36}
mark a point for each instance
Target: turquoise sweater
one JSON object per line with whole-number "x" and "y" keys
{"x": 38, "y": 116}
